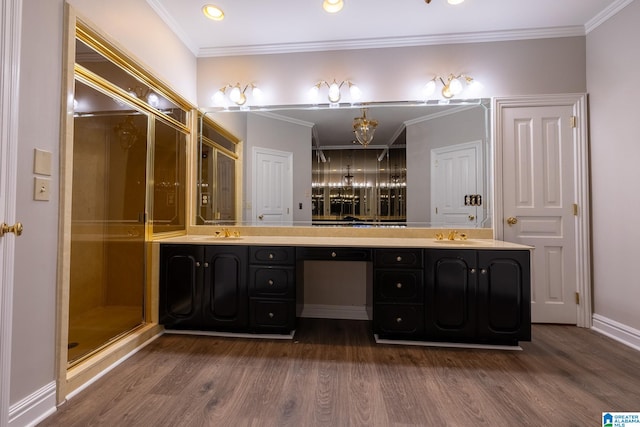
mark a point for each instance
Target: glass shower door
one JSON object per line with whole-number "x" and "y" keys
{"x": 108, "y": 223}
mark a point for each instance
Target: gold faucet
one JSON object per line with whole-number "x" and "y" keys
{"x": 452, "y": 235}
{"x": 226, "y": 232}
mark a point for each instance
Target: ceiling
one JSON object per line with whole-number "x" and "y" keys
{"x": 279, "y": 26}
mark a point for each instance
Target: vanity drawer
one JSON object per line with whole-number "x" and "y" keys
{"x": 272, "y": 315}
{"x": 265, "y": 281}
{"x": 405, "y": 320}
{"x": 392, "y": 258}
{"x": 334, "y": 254}
{"x": 405, "y": 286}
{"x": 275, "y": 255}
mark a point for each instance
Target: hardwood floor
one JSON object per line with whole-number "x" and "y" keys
{"x": 333, "y": 374}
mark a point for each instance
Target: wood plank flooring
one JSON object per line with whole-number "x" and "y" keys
{"x": 333, "y": 374}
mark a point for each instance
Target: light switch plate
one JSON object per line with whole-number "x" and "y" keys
{"x": 42, "y": 162}
{"x": 41, "y": 189}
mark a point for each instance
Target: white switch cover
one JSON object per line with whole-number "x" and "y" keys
{"x": 42, "y": 162}
{"x": 41, "y": 189}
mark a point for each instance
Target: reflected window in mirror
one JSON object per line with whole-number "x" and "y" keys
{"x": 217, "y": 182}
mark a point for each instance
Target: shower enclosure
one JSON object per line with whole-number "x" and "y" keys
{"x": 108, "y": 226}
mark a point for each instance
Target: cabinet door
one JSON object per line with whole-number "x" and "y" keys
{"x": 504, "y": 299}
{"x": 450, "y": 294}
{"x": 225, "y": 288}
{"x": 180, "y": 286}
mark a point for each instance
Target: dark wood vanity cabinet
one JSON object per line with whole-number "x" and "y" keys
{"x": 272, "y": 289}
{"x": 203, "y": 287}
{"x": 480, "y": 296}
{"x": 398, "y": 293}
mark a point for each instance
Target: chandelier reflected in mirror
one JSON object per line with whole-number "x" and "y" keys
{"x": 364, "y": 128}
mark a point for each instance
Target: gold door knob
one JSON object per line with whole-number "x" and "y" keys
{"x": 472, "y": 217}
{"x": 512, "y": 220}
{"x": 15, "y": 229}
{"x": 260, "y": 217}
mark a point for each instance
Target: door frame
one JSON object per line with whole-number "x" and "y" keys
{"x": 578, "y": 102}
{"x": 10, "y": 43}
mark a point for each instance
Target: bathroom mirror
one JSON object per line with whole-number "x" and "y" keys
{"x": 428, "y": 164}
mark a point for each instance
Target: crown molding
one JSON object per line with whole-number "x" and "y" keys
{"x": 284, "y": 118}
{"x": 387, "y": 42}
{"x": 607, "y": 13}
{"x": 173, "y": 25}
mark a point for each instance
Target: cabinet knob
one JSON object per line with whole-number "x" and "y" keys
{"x": 399, "y": 259}
{"x": 271, "y": 315}
{"x": 483, "y": 271}
{"x": 197, "y": 263}
{"x": 206, "y": 264}
{"x": 271, "y": 256}
{"x": 399, "y": 285}
{"x": 399, "y": 320}
{"x": 269, "y": 282}
{"x": 333, "y": 254}
{"x": 472, "y": 270}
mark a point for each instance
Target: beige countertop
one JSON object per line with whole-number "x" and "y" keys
{"x": 341, "y": 241}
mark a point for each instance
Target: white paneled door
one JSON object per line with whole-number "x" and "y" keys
{"x": 456, "y": 172}
{"x": 538, "y": 204}
{"x": 273, "y": 186}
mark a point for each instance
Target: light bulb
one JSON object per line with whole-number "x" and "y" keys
{"x": 429, "y": 89}
{"x": 213, "y": 12}
{"x": 258, "y": 95}
{"x": 235, "y": 93}
{"x": 334, "y": 92}
{"x": 314, "y": 93}
{"x": 218, "y": 98}
{"x": 455, "y": 86}
{"x": 355, "y": 92}
{"x": 332, "y": 6}
{"x": 153, "y": 100}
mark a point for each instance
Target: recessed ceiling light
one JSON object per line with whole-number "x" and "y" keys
{"x": 213, "y": 12}
{"x": 332, "y": 6}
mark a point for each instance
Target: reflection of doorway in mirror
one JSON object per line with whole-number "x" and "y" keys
{"x": 456, "y": 172}
{"x": 273, "y": 186}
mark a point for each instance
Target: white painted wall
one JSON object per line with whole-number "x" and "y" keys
{"x": 34, "y": 304}
{"x": 613, "y": 63}
{"x": 392, "y": 74}
{"x": 136, "y": 29}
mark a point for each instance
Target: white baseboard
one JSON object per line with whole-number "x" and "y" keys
{"x": 320, "y": 311}
{"x": 34, "y": 408}
{"x": 618, "y": 331}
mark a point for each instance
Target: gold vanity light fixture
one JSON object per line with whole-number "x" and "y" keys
{"x": 237, "y": 94}
{"x": 145, "y": 94}
{"x": 452, "y": 86}
{"x": 332, "y": 6}
{"x": 364, "y": 128}
{"x": 334, "y": 95}
{"x": 213, "y": 12}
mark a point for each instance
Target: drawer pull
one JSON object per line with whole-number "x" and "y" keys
{"x": 271, "y": 315}
{"x": 271, "y": 256}
{"x": 399, "y": 320}
{"x": 399, "y": 259}
{"x": 270, "y": 282}
{"x": 333, "y": 254}
{"x": 399, "y": 285}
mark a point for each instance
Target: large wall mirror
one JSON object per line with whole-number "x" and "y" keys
{"x": 428, "y": 165}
